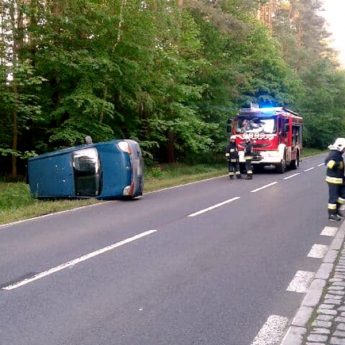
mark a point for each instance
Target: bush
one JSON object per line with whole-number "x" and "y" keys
{"x": 14, "y": 195}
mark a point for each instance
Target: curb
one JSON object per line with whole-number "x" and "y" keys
{"x": 298, "y": 327}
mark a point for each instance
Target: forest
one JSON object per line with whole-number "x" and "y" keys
{"x": 167, "y": 73}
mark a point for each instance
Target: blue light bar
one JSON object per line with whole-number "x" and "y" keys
{"x": 270, "y": 109}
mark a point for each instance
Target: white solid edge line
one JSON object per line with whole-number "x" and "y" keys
{"x": 53, "y": 214}
{"x": 103, "y": 202}
{"x": 266, "y": 186}
{"x": 213, "y": 207}
{"x": 186, "y": 184}
{"x": 291, "y": 176}
{"x": 272, "y": 331}
{"x": 77, "y": 261}
{"x": 312, "y": 168}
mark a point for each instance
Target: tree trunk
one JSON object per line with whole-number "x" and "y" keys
{"x": 267, "y": 11}
{"x": 171, "y": 147}
{"x": 17, "y": 27}
{"x": 105, "y": 94}
{"x": 14, "y": 137}
{"x": 121, "y": 23}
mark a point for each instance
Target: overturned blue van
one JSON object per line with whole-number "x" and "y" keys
{"x": 105, "y": 170}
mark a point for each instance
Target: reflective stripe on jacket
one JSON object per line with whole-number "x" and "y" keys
{"x": 335, "y": 167}
{"x": 231, "y": 149}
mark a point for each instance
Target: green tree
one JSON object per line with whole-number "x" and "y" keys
{"x": 19, "y": 85}
{"x": 324, "y": 104}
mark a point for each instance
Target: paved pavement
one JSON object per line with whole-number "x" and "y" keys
{"x": 320, "y": 320}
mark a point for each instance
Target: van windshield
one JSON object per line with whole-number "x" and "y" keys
{"x": 86, "y": 166}
{"x": 256, "y": 125}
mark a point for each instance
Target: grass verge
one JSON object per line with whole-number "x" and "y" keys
{"x": 16, "y": 202}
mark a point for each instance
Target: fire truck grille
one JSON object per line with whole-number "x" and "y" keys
{"x": 259, "y": 146}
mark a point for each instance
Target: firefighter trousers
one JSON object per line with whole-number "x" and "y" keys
{"x": 249, "y": 166}
{"x": 234, "y": 168}
{"x": 336, "y": 197}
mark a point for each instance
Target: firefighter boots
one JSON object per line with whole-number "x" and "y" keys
{"x": 335, "y": 218}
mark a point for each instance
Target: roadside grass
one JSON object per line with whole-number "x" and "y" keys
{"x": 17, "y": 204}
{"x": 307, "y": 152}
{"x": 164, "y": 176}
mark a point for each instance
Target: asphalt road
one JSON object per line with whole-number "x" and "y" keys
{"x": 201, "y": 264}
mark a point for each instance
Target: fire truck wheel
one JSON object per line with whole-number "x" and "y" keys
{"x": 281, "y": 168}
{"x": 258, "y": 168}
{"x": 295, "y": 163}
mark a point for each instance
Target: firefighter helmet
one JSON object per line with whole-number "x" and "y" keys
{"x": 339, "y": 144}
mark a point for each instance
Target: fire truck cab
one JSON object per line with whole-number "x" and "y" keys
{"x": 276, "y": 134}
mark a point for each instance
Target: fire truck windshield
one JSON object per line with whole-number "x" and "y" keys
{"x": 256, "y": 125}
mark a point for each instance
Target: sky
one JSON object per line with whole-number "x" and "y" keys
{"x": 334, "y": 14}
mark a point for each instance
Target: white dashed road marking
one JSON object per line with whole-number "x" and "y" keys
{"x": 213, "y": 207}
{"x": 272, "y": 331}
{"x": 321, "y": 164}
{"x": 329, "y": 231}
{"x": 301, "y": 281}
{"x": 291, "y": 176}
{"x": 77, "y": 261}
{"x": 318, "y": 251}
{"x": 266, "y": 186}
{"x": 309, "y": 169}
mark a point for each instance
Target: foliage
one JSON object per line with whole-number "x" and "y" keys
{"x": 324, "y": 105}
{"x": 301, "y": 31}
{"x": 14, "y": 195}
{"x": 164, "y": 75}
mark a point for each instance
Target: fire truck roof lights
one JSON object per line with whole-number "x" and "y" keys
{"x": 262, "y": 110}
{"x": 265, "y": 111}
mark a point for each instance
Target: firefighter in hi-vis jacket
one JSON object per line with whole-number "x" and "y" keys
{"x": 335, "y": 179}
{"x": 248, "y": 157}
{"x": 231, "y": 153}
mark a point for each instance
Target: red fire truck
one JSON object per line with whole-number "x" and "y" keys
{"x": 276, "y": 134}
